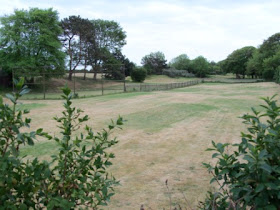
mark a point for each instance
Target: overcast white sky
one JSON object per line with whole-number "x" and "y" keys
{"x": 210, "y": 28}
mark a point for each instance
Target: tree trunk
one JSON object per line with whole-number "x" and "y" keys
{"x": 70, "y": 75}
{"x": 85, "y": 70}
{"x": 85, "y": 74}
{"x": 70, "y": 62}
{"x": 95, "y": 74}
{"x": 95, "y": 70}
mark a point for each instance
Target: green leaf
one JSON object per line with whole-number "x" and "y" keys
{"x": 259, "y": 188}
{"x": 215, "y": 155}
{"x": 266, "y": 167}
{"x": 30, "y": 141}
{"x": 66, "y": 91}
{"x": 271, "y": 207}
{"x": 11, "y": 97}
{"x": 39, "y": 131}
{"x": 19, "y": 83}
{"x": 24, "y": 91}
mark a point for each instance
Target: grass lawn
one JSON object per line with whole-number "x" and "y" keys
{"x": 164, "y": 137}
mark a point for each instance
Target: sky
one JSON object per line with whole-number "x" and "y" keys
{"x": 210, "y": 28}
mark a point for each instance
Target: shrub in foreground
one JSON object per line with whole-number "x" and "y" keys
{"x": 248, "y": 173}
{"x": 77, "y": 177}
{"x": 138, "y": 74}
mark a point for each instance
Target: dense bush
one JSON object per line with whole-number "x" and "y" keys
{"x": 277, "y": 75}
{"x": 177, "y": 73}
{"x": 138, "y": 74}
{"x": 77, "y": 177}
{"x": 248, "y": 172}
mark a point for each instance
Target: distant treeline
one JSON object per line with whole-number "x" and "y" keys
{"x": 36, "y": 40}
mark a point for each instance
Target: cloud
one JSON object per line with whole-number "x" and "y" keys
{"x": 203, "y": 27}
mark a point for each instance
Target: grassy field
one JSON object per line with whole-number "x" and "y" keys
{"x": 164, "y": 137}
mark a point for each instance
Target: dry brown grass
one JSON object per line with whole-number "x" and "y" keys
{"x": 145, "y": 158}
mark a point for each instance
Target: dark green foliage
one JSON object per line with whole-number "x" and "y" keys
{"x": 30, "y": 40}
{"x": 117, "y": 66}
{"x": 138, "y": 74}
{"x": 270, "y": 46}
{"x": 181, "y": 62}
{"x": 77, "y": 177}
{"x": 107, "y": 38}
{"x": 177, "y": 73}
{"x": 76, "y": 32}
{"x": 248, "y": 172}
{"x": 200, "y": 66}
{"x": 277, "y": 75}
{"x": 265, "y": 61}
{"x": 154, "y": 63}
{"x": 254, "y": 66}
{"x": 236, "y": 62}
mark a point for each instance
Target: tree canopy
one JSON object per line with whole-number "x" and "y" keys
{"x": 266, "y": 59}
{"x": 108, "y": 38}
{"x": 76, "y": 31}
{"x": 30, "y": 39}
{"x": 181, "y": 62}
{"x": 236, "y": 62}
{"x": 200, "y": 66}
{"x": 154, "y": 63}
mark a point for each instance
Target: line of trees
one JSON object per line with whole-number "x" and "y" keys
{"x": 260, "y": 62}
{"x": 199, "y": 66}
{"x": 155, "y": 63}
{"x": 36, "y": 38}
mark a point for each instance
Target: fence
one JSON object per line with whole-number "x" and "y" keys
{"x": 158, "y": 87}
{"x": 47, "y": 85}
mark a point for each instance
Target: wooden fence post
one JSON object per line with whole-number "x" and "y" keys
{"x": 44, "y": 84}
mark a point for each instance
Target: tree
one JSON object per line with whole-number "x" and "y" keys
{"x": 118, "y": 66}
{"x": 254, "y": 65}
{"x": 113, "y": 67}
{"x": 138, "y": 74}
{"x": 271, "y": 66}
{"x": 181, "y": 62}
{"x": 270, "y": 46}
{"x": 30, "y": 40}
{"x": 248, "y": 171}
{"x": 76, "y": 31}
{"x": 236, "y": 62}
{"x": 200, "y": 66}
{"x": 154, "y": 62}
{"x": 267, "y": 50}
{"x": 108, "y": 37}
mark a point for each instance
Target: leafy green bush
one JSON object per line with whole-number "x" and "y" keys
{"x": 277, "y": 75}
{"x": 76, "y": 177}
{"x": 138, "y": 74}
{"x": 248, "y": 172}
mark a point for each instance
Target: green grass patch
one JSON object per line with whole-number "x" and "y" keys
{"x": 39, "y": 149}
{"x": 164, "y": 116}
{"x": 227, "y": 104}
{"x": 122, "y": 96}
{"x": 30, "y": 106}
{"x": 189, "y": 90}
